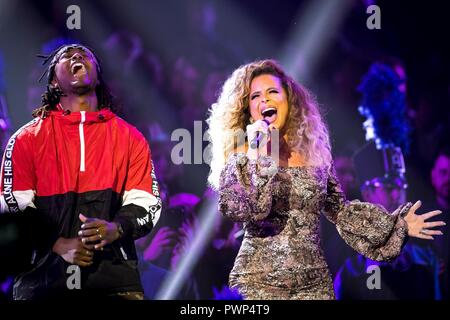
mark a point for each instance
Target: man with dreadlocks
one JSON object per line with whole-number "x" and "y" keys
{"x": 85, "y": 178}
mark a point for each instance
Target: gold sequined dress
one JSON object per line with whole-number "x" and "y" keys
{"x": 281, "y": 256}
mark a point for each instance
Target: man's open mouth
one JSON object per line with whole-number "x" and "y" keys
{"x": 78, "y": 68}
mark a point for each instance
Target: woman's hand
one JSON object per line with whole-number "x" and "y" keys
{"x": 74, "y": 251}
{"x": 417, "y": 225}
{"x": 259, "y": 126}
{"x": 98, "y": 230}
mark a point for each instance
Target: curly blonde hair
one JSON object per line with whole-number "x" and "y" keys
{"x": 306, "y": 132}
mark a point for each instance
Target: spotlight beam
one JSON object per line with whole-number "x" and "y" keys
{"x": 311, "y": 36}
{"x": 192, "y": 252}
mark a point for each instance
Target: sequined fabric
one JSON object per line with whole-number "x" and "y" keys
{"x": 280, "y": 256}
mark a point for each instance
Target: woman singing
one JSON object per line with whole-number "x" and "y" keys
{"x": 278, "y": 189}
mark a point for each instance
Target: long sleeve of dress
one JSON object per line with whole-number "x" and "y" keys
{"x": 367, "y": 228}
{"x": 245, "y": 190}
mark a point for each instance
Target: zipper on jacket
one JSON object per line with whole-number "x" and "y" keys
{"x": 124, "y": 255}
{"x": 82, "y": 147}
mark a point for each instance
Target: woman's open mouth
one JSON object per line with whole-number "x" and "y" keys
{"x": 269, "y": 114}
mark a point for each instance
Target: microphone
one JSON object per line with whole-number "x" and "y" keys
{"x": 259, "y": 136}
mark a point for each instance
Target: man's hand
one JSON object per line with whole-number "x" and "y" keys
{"x": 74, "y": 251}
{"x": 98, "y": 231}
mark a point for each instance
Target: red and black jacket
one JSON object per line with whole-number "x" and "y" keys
{"x": 93, "y": 163}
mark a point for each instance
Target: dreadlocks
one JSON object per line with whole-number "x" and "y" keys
{"x": 51, "y": 97}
